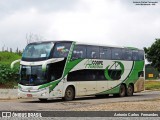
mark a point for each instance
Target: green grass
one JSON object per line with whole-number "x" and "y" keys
{"x": 152, "y": 79}
{"x": 6, "y": 58}
{"x": 152, "y": 85}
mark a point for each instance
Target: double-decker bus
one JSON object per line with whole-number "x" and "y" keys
{"x": 67, "y": 69}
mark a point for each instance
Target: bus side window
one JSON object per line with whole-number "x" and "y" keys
{"x": 141, "y": 54}
{"x": 61, "y": 50}
{"x": 105, "y": 53}
{"x": 127, "y": 54}
{"x": 135, "y": 55}
{"x": 79, "y": 52}
{"x": 116, "y": 53}
{"x": 93, "y": 52}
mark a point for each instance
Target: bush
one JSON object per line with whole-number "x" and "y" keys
{"x": 8, "y": 75}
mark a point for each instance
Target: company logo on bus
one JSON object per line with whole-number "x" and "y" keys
{"x": 93, "y": 64}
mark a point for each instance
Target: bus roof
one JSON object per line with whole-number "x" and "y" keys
{"x": 85, "y": 43}
{"x": 54, "y": 41}
{"x": 132, "y": 48}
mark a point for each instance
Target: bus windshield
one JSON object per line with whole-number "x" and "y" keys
{"x": 32, "y": 75}
{"x": 38, "y": 50}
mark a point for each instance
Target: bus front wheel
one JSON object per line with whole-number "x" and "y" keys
{"x": 69, "y": 94}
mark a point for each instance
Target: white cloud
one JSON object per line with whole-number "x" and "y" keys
{"x": 94, "y": 21}
{"x": 109, "y": 23}
{"x": 15, "y": 27}
{"x": 91, "y": 25}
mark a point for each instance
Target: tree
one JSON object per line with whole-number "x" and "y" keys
{"x": 17, "y": 50}
{"x": 33, "y": 38}
{"x": 153, "y": 54}
{"x": 11, "y": 50}
{"x": 3, "y": 48}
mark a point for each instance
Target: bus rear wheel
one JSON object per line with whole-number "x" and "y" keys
{"x": 69, "y": 94}
{"x": 130, "y": 90}
{"x": 122, "y": 91}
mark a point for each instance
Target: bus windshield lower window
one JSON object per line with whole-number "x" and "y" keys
{"x": 32, "y": 75}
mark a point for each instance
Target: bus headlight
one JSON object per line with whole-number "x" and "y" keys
{"x": 20, "y": 88}
{"x": 42, "y": 89}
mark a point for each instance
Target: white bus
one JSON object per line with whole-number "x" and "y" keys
{"x": 67, "y": 69}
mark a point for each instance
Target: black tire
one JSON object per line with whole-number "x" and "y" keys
{"x": 122, "y": 91}
{"x": 130, "y": 90}
{"x": 69, "y": 94}
{"x": 42, "y": 99}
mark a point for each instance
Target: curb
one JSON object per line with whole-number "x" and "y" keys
{"x": 8, "y": 94}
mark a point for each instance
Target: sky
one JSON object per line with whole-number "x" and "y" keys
{"x": 108, "y": 22}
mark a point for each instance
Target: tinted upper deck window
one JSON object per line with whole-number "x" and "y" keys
{"x": 105, "y": 53}
{"x": 116, "y": 53}
{"x": 93, "y": 52}
{"x": 79, "y": 52}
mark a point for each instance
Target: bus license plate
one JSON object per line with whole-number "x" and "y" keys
{"x": 29, "y": 95}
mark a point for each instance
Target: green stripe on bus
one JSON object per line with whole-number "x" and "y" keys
{"x": 138, "y": 66}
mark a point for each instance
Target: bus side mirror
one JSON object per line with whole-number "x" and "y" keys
{"x": 14, "y": 62}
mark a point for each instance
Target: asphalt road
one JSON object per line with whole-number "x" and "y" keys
{"x": 60, "y": 105}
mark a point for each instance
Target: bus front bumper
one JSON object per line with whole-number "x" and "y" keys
{"x": 33, "y": 94}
